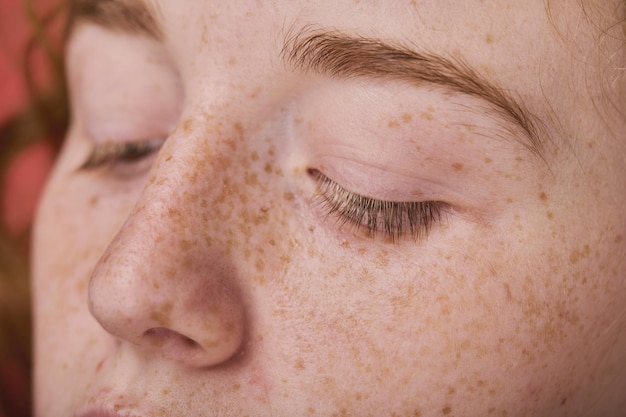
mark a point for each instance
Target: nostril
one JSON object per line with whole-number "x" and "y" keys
{"x": 160, "y": 337}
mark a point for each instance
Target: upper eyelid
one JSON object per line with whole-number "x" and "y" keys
{"x": 109, "y": 151}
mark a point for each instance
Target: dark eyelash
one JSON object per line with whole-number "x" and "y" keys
{"x": 125, "y": 152}
{"x": 393, "y": 219}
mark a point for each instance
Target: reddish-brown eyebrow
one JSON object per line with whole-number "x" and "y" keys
{"x": 341, "y": 55}
{"x": 131, "y": 16}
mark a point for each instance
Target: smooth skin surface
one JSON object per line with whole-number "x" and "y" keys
{"x": 226, "y": 275}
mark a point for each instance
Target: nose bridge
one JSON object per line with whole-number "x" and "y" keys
{"x": 163, "y": 284}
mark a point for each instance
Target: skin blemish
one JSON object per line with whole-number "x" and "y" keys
{"x": 489, "y": 38}
{"x": 185, "y": 245}
{"x": 288, "y": 196}
{"x": 187, "y": 126}
{"x": 457, "y": 167}
{"x": 577, "y": 255}
{"x": 426, "y": 115}
{"x": 393, "y": 124}
{"x": 259, "y": 265}
{"x": 543, "y": 197}
{"x": 488, "y": 160}
{"x": 446, "y": 410}
{"x": 407, "y": 118}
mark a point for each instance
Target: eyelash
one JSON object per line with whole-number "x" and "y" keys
{"x": 123, "y": 152}
{"x": 394, "y": 220}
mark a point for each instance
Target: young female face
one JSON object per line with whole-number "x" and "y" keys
{"x": 336, "y": 208}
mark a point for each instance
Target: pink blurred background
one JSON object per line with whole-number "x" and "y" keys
{"x": 29, "y": 169}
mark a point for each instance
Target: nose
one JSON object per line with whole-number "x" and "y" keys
{"x": 162, "y": 286}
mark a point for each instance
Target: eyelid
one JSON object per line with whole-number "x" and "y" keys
{"x": 126, "y": 152}
{"x": 394, "y": 220}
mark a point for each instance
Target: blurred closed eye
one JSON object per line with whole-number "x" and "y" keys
{"x": 123, "y": 159}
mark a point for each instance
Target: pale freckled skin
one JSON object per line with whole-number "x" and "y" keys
{"x": 216, "y": 284}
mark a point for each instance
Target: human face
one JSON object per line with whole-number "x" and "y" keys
{"x": 215, "y": 240}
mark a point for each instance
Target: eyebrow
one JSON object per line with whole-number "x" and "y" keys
{"x": 129, "y": 16}
{"x": 341, "y": 55}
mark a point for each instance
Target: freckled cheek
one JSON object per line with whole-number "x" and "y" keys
{"x": 73, "y": 228}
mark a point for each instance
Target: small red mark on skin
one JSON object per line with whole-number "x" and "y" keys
{"x": 100, "y": 364}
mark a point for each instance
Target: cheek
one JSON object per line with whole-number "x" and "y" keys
{"x": 501, "y": 320}
{"x": 72, "y": 229}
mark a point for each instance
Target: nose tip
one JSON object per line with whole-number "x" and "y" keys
{"x": 191, "y": 314}
{"x": 194, "y": 336}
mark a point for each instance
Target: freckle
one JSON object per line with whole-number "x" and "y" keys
{"x": 509, "y": 200}
{"x": 446, "y": 410}
{"x": 406, "y": 118}
{"x": 185, "y": 245}
{"x": 457, "y": 166}
{"x": 299, "y": 364}
{"x": 488, "y": 160}
{"x": 259, "y": 265}
{"x": 268, "y": 168}
{"x": 288, "y": 196}
{"x": 187, "y": 125}
{"x": 393, "y": 123}
{"x": 169, "y": 158}
{"x": 251, "y": 179}
{"x": 232, "y": 62}
{"x": 489, "y": 38}
{"x": 254, "y": 156}
{"x": 618, "y": 239}
{"x": 93, "y": 201}
{"x": 426, "y": 115}
{"x": 543, "y": 196}
{"x": 550, "y": 215}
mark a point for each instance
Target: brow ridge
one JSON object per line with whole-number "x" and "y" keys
{"x": 130, "y": 16}
{"x": 337, "y": 54}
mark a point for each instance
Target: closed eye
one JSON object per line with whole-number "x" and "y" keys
{"x": 392, "y": 220}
